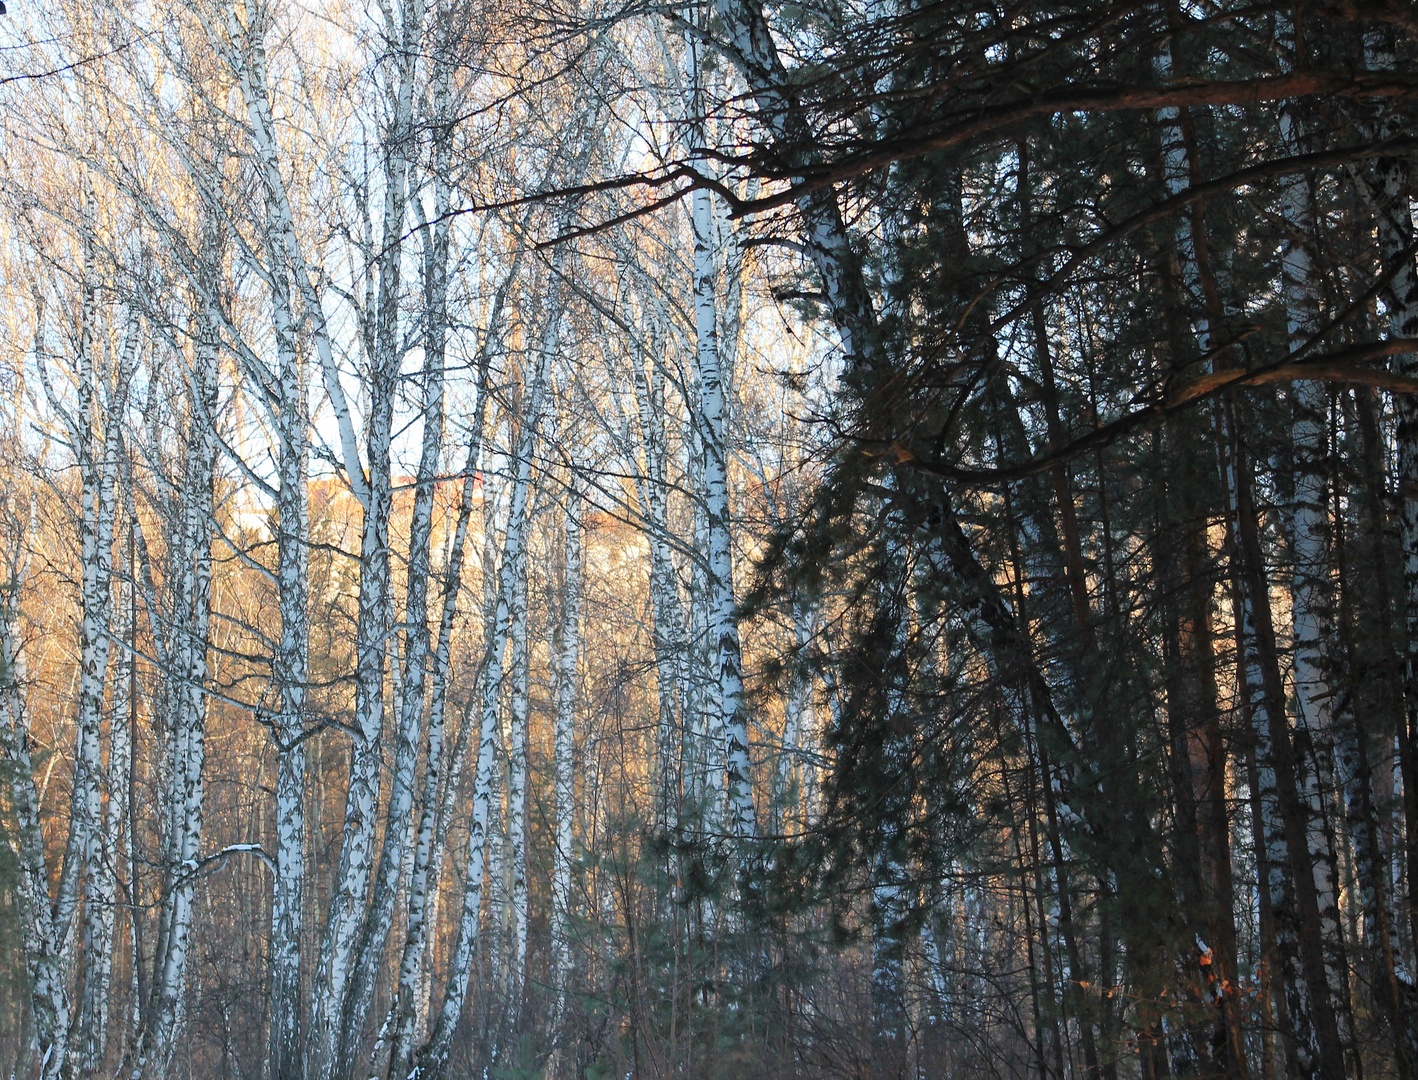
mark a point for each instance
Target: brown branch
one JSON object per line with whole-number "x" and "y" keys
{"x": 993, "y": 119}
{"x": 1342, "y": 366}
{"x": 1330, "y": 367}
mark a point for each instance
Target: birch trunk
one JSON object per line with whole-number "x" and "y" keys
{"x": 518, "y": 711}
{"x": 732, "y": 810}
{"x": 702, "y": 775}
{"x": 1315, "y": 1048}
{"x": 101, "y": 903}
{"x": 1306, "y": 517}
{"x": 378, "y": 920}
{"x": 849, "y": 301}
{"x": 244, "y": 45}
{"x": 100, "y": 881}
{"x": 516, "y": 740}
{"x": 410, "y": 1004}
{"x": 185, "y": 692}
{"x": 290, "y": 675}
{"x": 798, "y": 725}
{"x": 362, "y": 903}
{"x": 424, "y": 918}
{"x": 95, "y": 427}
{"x": 1389, "y": 184}
{"x": 432, "y": 1058}
{"x": 666, "y": 606}
{"x": 438, "y": 787}
{"x": 564, "y": 751}
{"x": 48, "y": 989}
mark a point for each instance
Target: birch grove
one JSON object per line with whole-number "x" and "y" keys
{"x": 734, "y": 540}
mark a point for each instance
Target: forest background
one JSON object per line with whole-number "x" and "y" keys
{"x": 831, "y": 539}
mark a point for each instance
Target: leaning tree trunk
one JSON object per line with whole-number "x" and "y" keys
{"x": 47, "y": 977}
{"x": 432, "y": 1059}
{"x": 666, "y": 605}
{"x": 437, "y": 787}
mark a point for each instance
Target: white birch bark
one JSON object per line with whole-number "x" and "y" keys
{"x": 563, "y": 753}
{"x": 101, "y": 902}
{"x": 825, "y": 240}
{"x": 440, "y": 784}
{"x": 344, "y": 977}
{"x": 1251, "y": 677}
{"x": 731, "y": 811}
{"x": 1305, "y": 515}
{"x": 666, "y": 605}
{"x": 466, "y": 731}
{"x": 516, "y": 740}
{"x": 826, "y": 243}
{"x": 411, "y": 1006}
{"x": 433, "y": 1056}
{"x": 100, "y": 881}
{"x": 702, "y": 768}
{"x": 245, "y": 53}
{"x": 102, "y": 370}
{"x": 492, "y": 943}
{"x": 95, "y": 428}
{"x": 518, "y": 710}
{"x": 48, "y": 983}
{"x": 362, "y": 796}
{"x": 1256, "y": 676}
{"x": 190, "y": 550}
{"x": 244, "y": 48}
{"x": 290, "y": 675}
{"x": 797, "y": 719}
{"x": 468, "y": 738}
{"x": 399, "y": 826}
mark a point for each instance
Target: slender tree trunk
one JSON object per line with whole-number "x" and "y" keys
{"x": 666, "y": 606}
{"x": 563, "y": 752}
{"x": 185, "y": 691}
{"x": 48, "y": 983}
{"x": 423, "y": 872}
{"x": 732, "y": 812}
{"x": 398, "y": 832}
{"x": 438, "y": 783}
{"x": 432, "y": 1058}
{"x": 100, "y": 879}
{"x": 1316, "y": 1048}
{"x": 518, "y": 717}
{"x": 1390, "y": 188}
{"x": 1305, "y": 515}
{"x": 95, "y": 434}
{"x": 290, "y": 676}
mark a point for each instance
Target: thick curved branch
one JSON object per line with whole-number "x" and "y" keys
{"x": 988, "y": 120}
{"x": 1344, "y": 366}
